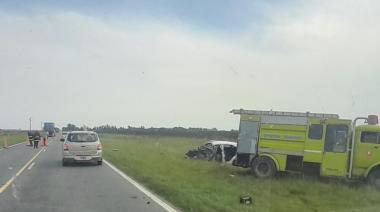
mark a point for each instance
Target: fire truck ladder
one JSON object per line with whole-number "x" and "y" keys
{"x": 284, "y": 113}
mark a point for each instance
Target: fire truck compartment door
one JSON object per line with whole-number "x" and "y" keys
{"x": 248, "y": 137}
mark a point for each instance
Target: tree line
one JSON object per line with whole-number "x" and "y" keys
{"x": 212, "y": 134}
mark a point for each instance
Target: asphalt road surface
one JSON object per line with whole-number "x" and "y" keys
{"x": 45, "y": 185}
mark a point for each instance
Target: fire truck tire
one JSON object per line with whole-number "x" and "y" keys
{"x": 264, "y": 167}
{"x": 374, "y": 178}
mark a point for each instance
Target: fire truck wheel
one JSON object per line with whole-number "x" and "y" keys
{"x": 374, "y": 178}
{"x": 263, "y": 167}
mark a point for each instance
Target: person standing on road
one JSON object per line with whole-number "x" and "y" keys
{"x": 30, "y": 138}
{"x": 37, "y": 138}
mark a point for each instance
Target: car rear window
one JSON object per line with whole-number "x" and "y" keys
{"x": 82, "y": 137}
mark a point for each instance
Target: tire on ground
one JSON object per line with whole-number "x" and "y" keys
{"x": 263, "y": 167}
{"x": 374, "y": 178}
{"x": 64, "y": 163}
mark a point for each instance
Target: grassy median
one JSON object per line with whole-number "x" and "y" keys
{"x": 12, "y": 138}
{"x": 192, "y": 185}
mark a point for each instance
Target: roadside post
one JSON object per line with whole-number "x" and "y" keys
{"x": 5, "y": 142}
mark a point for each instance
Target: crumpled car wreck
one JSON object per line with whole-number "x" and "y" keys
{"x": 221, "y": 151}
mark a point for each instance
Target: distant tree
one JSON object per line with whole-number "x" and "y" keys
{"x": 70, "y": 127}
{"x": 213, "y": 133}
{"x": 84, "y": 128}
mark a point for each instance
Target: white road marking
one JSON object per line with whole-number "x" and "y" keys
{"x": 14, "y": 191}
{"x": 16, "y": 144}
{"x": 163, "y": 204}
{"x": 31, "y": 166}
{"x": 13, "y": 145}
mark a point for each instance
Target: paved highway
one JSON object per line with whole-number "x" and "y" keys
{"x": 43, "y": 184}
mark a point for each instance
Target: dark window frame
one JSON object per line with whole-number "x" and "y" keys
{"x": 366, "y": 142}
{"x": 334, "y": 145}
{"x": 315, "y": 135}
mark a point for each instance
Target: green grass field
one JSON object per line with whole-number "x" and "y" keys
{"x": 193, "y": 185}
{"x": 12, "y": 138}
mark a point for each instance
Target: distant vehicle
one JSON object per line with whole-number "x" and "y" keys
{"x": 49, "y": 128}
{"x": 64, "y": 135}
{"x": 221, "y": 151}
{"x": 82, "y": 146}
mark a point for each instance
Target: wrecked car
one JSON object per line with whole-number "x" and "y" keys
{"x": 221, "y": 151}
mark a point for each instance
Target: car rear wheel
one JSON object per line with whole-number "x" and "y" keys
{"x": 374, "y": 178}
{"x": 263, "y": 167}
{"x": 64, "y": 163}
{"x": 100, "y": 162}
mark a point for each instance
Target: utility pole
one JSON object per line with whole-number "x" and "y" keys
{"x": 30, "y": 123}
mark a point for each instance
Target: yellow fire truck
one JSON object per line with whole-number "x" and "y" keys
{"x": 316, "y": 143}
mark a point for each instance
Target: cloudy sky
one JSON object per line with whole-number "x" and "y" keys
{"x": 185, "y": 63}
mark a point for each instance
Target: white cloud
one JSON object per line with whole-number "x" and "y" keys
{"x": 67, "y": 67}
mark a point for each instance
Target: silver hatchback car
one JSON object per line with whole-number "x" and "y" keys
{"x": 82, "y": 146}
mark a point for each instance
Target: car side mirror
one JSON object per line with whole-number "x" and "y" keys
{"x": 62, "y": 139}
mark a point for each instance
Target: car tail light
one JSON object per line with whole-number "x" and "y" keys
{"x": 65, "y": 147}
{"x": 99, "y": 147}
